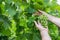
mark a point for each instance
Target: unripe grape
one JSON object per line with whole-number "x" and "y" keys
{"x": 43, "y": 20}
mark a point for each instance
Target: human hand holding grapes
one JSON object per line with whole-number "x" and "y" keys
{"x": 43, "y": 31}
{"x": 40, "y": 27}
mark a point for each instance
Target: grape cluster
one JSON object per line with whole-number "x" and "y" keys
{"x": 43, "y": 20}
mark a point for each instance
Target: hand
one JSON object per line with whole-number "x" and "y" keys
{"x": 43, "y": 31}
{"x": 40, "y": 27}
{"x": 39, "y": 13}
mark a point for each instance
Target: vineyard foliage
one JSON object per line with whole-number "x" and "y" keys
{"x": 17, "y": 19}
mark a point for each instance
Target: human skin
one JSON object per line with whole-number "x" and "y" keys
{"x": 51, "y": 18}
{"x": 43, "y": 31}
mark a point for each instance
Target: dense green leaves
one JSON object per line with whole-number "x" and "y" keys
{"x": 17, "y": 19}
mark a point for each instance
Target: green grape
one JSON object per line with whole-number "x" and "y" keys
{"x": 43, "y": 20}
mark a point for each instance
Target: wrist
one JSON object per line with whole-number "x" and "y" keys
{"x": 44, "y": 33}
{"x": 43, "y": 30}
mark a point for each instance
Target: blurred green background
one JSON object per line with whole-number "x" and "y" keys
{"x": 17, "y": 22}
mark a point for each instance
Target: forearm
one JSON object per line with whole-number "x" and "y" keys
{"x": 45, "y": 35}
{"x": 53, "y": 19}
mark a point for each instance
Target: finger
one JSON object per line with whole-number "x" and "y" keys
{"x": 39, "y": 22}
{"x": 47, "y": 28}
{"x": 39, "y": 10}
{"x": 36, "y": 13}
{"x": 35, "y": 23}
